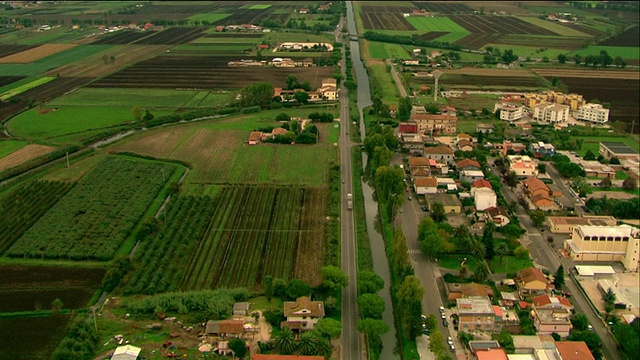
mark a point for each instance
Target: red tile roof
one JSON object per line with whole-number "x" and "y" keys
{"x": 543, "y": 300}
{"x": 482, "y": 183}
{"x": 497, "y": 310}
{"x": 468, "y": 162}
{"x": 492, "y": 354}
{"x": 574, "y": 350}
{"x": 408, "y": 128}
{"x": 426, "y": 182}
{"x": 438, "y": 150}
{"x": 418, "y": 161}
{"x": 531, "y": 274}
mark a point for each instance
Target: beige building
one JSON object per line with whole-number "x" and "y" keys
{"x": 531, "y": 282}
{"x": 476, "y": 313}
{"x": 523, "y": 165}
{"x": 302, "y": 314}
{"x": 551, "y": 113}
{"x": 450, "y": 202}
{"x": 509, "y": 112}
{"x": 565, "y": 224}
{"x": 593, "y": 113}
{"x": 435, "y": 123}
{"x": 605, "y": 243}
{"x": 549, "y": 321}
{"x": 442, "y": 154}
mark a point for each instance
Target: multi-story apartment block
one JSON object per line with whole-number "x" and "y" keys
{"x": 476, "y": 313}
{"x": 595, "y": 113}
{"x": 551, "y": 113}
{"x": 510, "y": 112}
{"x": 541, "y": 149}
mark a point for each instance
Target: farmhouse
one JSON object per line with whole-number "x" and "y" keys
{"x": 302, "y": 314}
{"x": 305, "y": 46}
{"x": 225, "y": 328}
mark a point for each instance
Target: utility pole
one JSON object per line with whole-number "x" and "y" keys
{"x": 68, "y": 158}
{"x": 93, "y": 311}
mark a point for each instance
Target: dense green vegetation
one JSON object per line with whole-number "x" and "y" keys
{"x": 93, "y": 219}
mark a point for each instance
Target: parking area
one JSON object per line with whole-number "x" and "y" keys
{"x": 627, "y": 283}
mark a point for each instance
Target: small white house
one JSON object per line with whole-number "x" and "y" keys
{"x": 127, "y": 352}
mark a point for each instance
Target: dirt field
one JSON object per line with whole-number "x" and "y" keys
{"x": 385, "y": 18}
{"x": 26, "y": 153}
{"x": 204, "y": 72}
{"x": 587, "y": 73}
{"x": 99, "y": 65}
{"x": 34, "y": 54}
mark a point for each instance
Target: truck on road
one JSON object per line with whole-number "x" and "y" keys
{"x": 349, "y": 201}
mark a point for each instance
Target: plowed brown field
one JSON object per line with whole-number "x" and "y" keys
{"x": 25, "y": 154}
{"x": 34, "y": 54}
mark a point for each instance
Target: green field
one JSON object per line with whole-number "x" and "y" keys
{"x": 226, "y": 40}
{"x": 71, "y": 119}
{"x": 439, "y": 24}
{"x": 554, "y": 26}
{"x": 9, "y": 146}
{"x": 53, "y": 61}
{"x": 280, "y": 37}
{"x": 624, "y": 52}
{"x": 380, "y": 50}
{"x": 123, "y": 97}
{"x": 210, "y": 17}
{"x": 593, "y": 143}
{"x": 532, "y": 51}
{"x": 389, "y": 89}
{"x": 256, "y": 7}
{"x": 20, "y": 89}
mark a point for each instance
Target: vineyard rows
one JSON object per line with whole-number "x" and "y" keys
{"x": 23, "y": 207}
{"x": 93, "y": 219}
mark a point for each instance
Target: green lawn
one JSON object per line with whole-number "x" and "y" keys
{"x": 22, "y": 88}
{"x": 210, "y": 17}
{"x": 593, "y": 143}
{"x": 225, "y": 40}
{"x": 632, "y": 53}
{"x": 389, "y": 88}
{"x": 453, "y": 261}
{"x": 439, "y": 24}
{"x": 9, "y": 146}
{"x": 621, "y": 175}
{"x": 108, "y": 97}
{"x": 333, "y": 132}
{"x": 379, "y": 50}
{"x": 509, "y": 264}
{"x": 532, "y": 51}
{"x": 70, "y": 119}
{"x": 53, "y": 61}
{"x": 256, "y": 7}
{"x": 280, "y": 37}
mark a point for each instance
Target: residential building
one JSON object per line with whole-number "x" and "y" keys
{"x": 465, "y": 145}
{"x": 574, "y": 350}
{"x": 475, "y": 314}
{"x": 507, "y": 145}
{"x": 549, "y": 321}
{"x": 531, "y": 282}
{"x": 450, "y": 202}
{"x": 329, "y": 89}
{"x": 481, "y": 183}
{"x": 225, "y": 328}
{"x": 126, "y": 352}
{"x": 412, "y": 143}
{"x": 302, "y": 314}
{"x": 541, "y": 149}
{"x": 551, "y": 113}
{"x": 498, "y": 215}
{"x": 479, "y": 345}
{"x": 463, "y": 136}
{"x": 565, "y": 224}
{"x": 254, "y": 137}
{"x": 595, "y": 113}
{"x": 442, "y": 154}
{"x": 492, "y": 354}
{"x": 484, "y": 198}
{"x": 241, "y": 308}
{"x": 605, "y": 243}
{"x": 510, "y": 112}
{"x": 471, "y": 175}
{"x": 419, "y": 167}
{"x": 522, "y": 165}
{"x": 465, "y": 290}
{"x": 620, "y": 150}
{"x": 410, "y": 128}
{"x": 547, "y": 301}
{"x": 485, "y": 128}
{"x": 529, "y": 344}
{"x": 539, "y": 193}
{"x": 467, "y": 164}
{"x": 426, "y": 185}
{"x": 435, "y": 123}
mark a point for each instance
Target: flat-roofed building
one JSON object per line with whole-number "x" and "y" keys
{"x": 484, "y": 198}
{"x": 551, "y": 113}
{"x": 475, "y": 314}
{"x": 565, "y": 224}
{"x": 471, "y": 175}
{"x": 605, "y": 243}
{"x": 510, "y": 112}
{"x": 549, "y": 321}
{"x": 594, "y": 113}
{"x": 436, "y": 123}
{"x": 540, "y": 149}
{"x": 450, "y": 202}
{"x": 619, "y": 150}
{"x": 522, "y": 165}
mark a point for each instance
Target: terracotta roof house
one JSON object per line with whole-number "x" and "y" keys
{"x": 303, "y": 314}
{"x": 492, "y": 354}
{"x": 461, "y": 290}
{"x": 480, "y": 183}
{"x": 417, "y": 162}
{"x": 498, "y": 215}
{"x": 531, "y": 282}
{"x": 574, "y": 350}
{"x": 426, "y": 185}
{"x": 439, "y": 153}
{"x": 254, "y": 137}
{"x": 538, "y": 192}
{"x": 551, "y": 302}
{"x": 278, "y": 131}
{"x": 407, "y": 128}
{"x": 465, "y": 145}
{"x": 468, "y": 164}
{"x": 263, "y": 46}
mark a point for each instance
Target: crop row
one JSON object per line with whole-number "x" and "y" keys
{"x": 98, "y": 214}
{"x": 161, "y": 258}
{"x": 23, "y": 207}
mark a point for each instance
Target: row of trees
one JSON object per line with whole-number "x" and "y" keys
{"x": 602, "y": 59}
{"x": 371, "y": 307}
{"x": 494, "y": 56}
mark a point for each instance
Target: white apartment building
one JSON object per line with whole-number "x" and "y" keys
{"x": 593, "y": 113}
{"x": 509, "y": 112}
{"x": 551, "y": 113}
{"x": 484, "y": 198}
{"x": 605, "y": 243}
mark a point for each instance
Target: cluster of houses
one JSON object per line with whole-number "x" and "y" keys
{"x": 277, "y": 62}
{"x": 443, "y": 123}
{"x": 475, "y": 312}
{"x": 328, "y": 91}
{"x": 550, "y": 107}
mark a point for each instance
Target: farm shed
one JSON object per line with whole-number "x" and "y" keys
{"x": 241, "y": 308}
{"x": 127, "y": 352}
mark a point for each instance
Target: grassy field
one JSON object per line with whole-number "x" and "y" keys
{"x": 9, "y": 146}
{"x": 531, "y": 51}
{"x": 390, "y": 91}
{"x": 53, "y": 61}
{"x": 632, "y": 53}
{"x": 280, "y": 37}
{"x": 107, "y": 97}
{"x": 439, "y": 24}
{"x": 70, "y": 119}
{"x": 256, "y": 7}
{"x": 210, "y": 17}
{"x": 509, "y": 264}
{"x": 453, "y": 261}
{"x": 379, "y": 50}
{"x": 225, "y": 40}
{"x": 218, "y": 152}
{"x": 593, "y": 143}
{"x": 553, "y": 26}
{"x": 20, "y": 89}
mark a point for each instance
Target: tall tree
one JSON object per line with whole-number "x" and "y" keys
{"x": 260, "y": 93}
{"x": 268, "y": 287}
{"x": 371, "y": 306}
{"x": 372, "y": 327}
{"x": 285, "y": 341}
{"x": 482, "y": 271}
{"x": 333, "y": 279}
{"x": 409, "y": 298}
{"x": 432, "y": 240}
{"x": 437, "y": 212}
{"x": 369, "y": 282}
{"x": 558, "y": 281}
{"x": 538, "y": 216}
{"x": 239, "y": 347}
{"x": 400, "y": 254}
{"x": 328, "y": 327}
{"x": 487, "y": 240}
{"x": 307, "y": 343}
{"x": 404, "y": 109}
{"x": 502, "y": 250}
